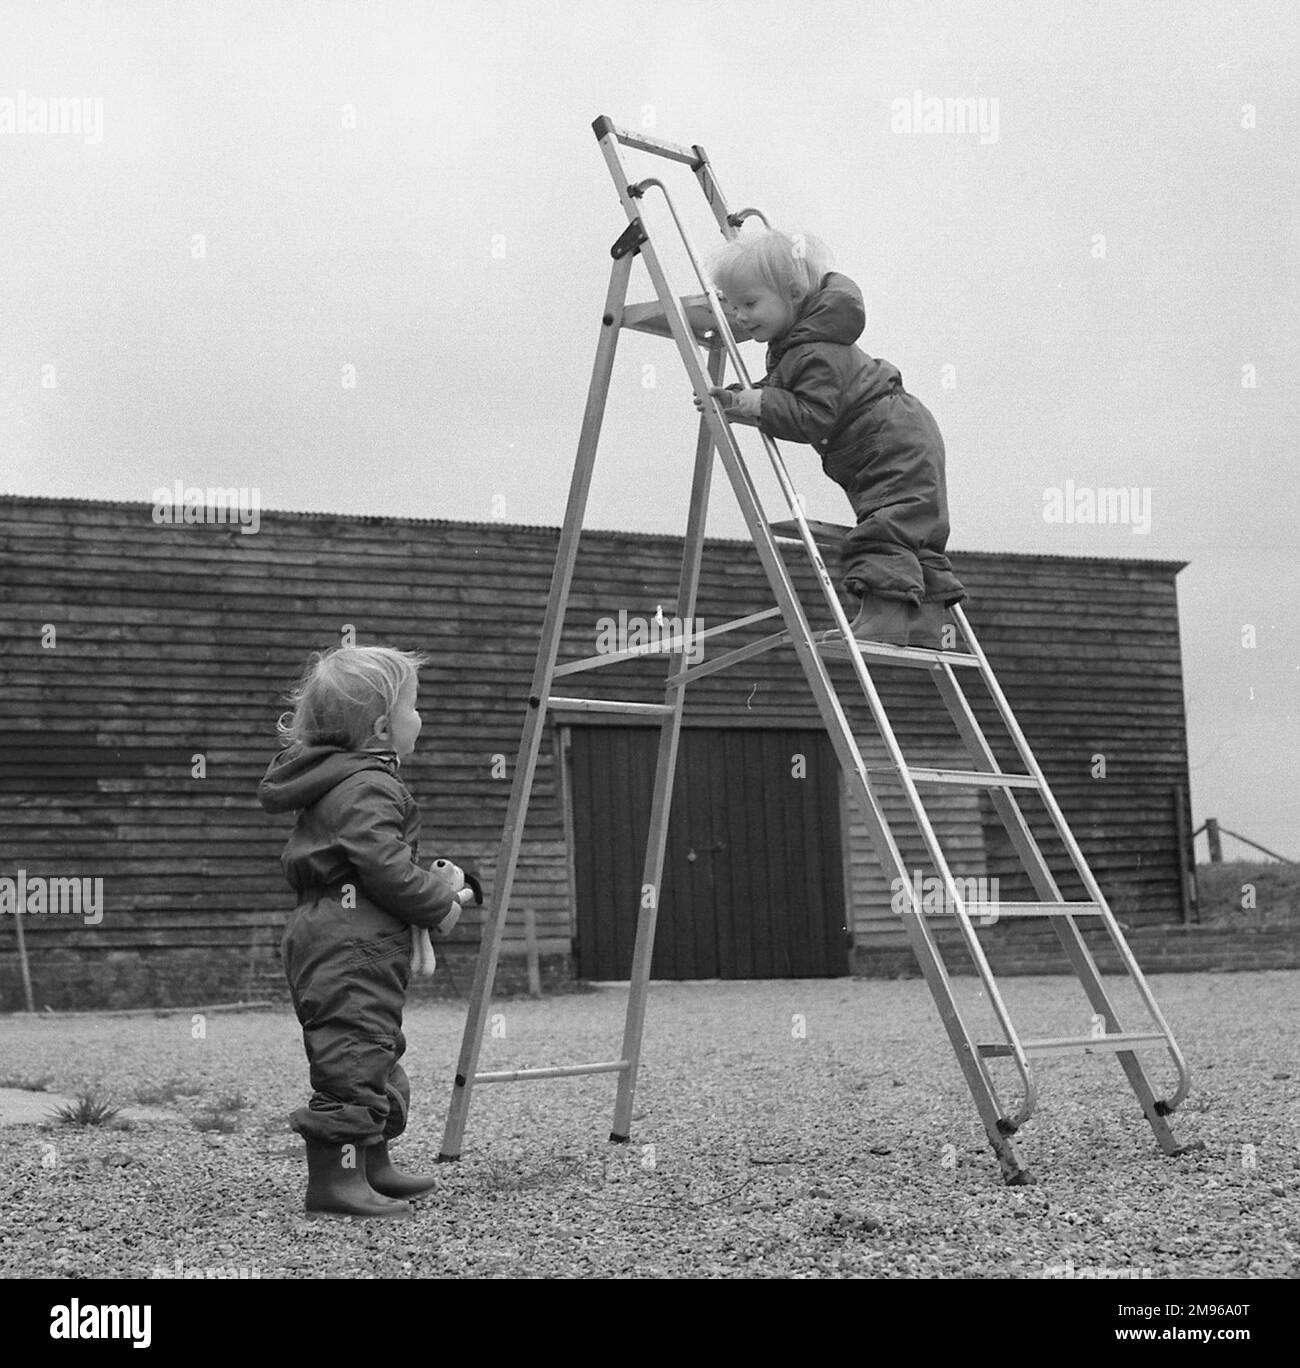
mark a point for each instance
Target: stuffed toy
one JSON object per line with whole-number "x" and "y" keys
{"x": 468, "y": 889}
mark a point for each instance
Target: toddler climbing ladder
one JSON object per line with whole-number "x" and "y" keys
{"x": 697, "y": 323}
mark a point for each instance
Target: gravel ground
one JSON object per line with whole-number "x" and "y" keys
{"x": 809, "y": 1128}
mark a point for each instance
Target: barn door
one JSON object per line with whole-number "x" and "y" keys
{"x": 753, "y": 881}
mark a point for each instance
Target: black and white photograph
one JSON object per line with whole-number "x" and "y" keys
{"x": 649, "y": 643}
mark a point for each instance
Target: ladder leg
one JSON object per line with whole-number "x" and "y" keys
{"x": 1045, "y": 886}
{"x": 534, "y": 725}
{"x": 665, "y": 771}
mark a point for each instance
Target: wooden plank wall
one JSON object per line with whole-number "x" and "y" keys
{"x": 172, "y": 642}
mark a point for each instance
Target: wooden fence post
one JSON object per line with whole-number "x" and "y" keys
{"x": 1186, "y": 859}
{"x": 530, "y": 945}
{"x": 22, "y": 959}
{"x": 1212, "y": 835}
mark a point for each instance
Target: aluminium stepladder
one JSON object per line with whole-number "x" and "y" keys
{"x": 698, "y": 322}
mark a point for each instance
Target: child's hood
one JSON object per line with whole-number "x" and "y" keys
{"x": 832, "y": 313}
{"x": 299, "y": 775}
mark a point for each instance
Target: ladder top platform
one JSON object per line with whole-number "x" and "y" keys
{"x": 651, "y": 318}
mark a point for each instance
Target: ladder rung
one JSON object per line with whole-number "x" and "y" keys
{"x": 918, "y": 657}
{"x": 559, "y": 1071}
{"x": 1121, "y": 1040}
{"x": 832, "y": 533}
{"x": 609, "y": 705}
{"x": 652, "y": 318}
{"x": 997, "y": 910}
{"x": 976, "y": 778}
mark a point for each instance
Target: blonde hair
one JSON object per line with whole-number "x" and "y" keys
{"x": 791, "y": 265}
{"x": 343, "y": 691}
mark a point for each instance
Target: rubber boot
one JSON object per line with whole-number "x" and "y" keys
{"x": 391, "y": 1181}
{"x": 882, "y": 620}
{"x": 926, "y": 629}
{"x": 337, "y": 1190}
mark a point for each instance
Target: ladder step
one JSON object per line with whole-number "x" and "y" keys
{"x": 976, "y": 778}
{"x": 997, "y": 910}
{"x": 609, "y": 705}
{"x": 918, "y": 657}
{"x": 1122, "y": 1040}
{"x": 652, "y": 318}
{"x": 559, "y": 1071}
{"x": 830, "y": 533}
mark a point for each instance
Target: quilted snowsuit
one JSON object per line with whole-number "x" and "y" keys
{"x": 346, "y": 950}
{"x": 877, "y": 442}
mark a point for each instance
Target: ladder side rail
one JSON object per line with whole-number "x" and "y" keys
{"x": 1077, "y": 858}
{"x": 973, "y": 946}
{"x": 714, "y": 197}
{"x": 665, "y": 774}
{"x": 724, "y": 440}
{"x": 824, "y": 692}
{"x": 1045, "y": 885}
{"x": 762, "y": 536}
{"x": 979, "y": 1081}
{"x": 530, "y": 743}
{"x": 854, "y": 767}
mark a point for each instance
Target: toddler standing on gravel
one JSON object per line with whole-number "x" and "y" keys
{"x": 362, "y": 901}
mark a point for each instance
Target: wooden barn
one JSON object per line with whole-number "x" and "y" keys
{"x": 144, "y": 665}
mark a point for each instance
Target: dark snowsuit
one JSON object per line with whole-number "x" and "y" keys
{"x": 347, "y": 947}
{"x": 877, "y": 442}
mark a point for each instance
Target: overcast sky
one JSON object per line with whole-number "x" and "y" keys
{"x": 1096, "y": 284}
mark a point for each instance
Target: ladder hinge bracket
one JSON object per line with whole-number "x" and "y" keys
{"x": 629, "y": 240}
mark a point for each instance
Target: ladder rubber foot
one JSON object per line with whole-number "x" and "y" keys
{"x": 1022, "y": 1179}
{"x": 448, "y": 1158}
{"x": 616, "y": 1139}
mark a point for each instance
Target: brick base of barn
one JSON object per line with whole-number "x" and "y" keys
{"x": 1158, "y": 950}
{"x": 66, "y": 981}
